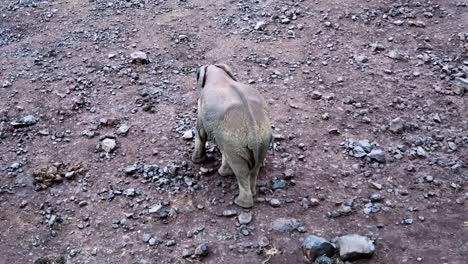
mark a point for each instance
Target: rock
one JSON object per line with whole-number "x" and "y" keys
{"x": 323, "y": 260}
{"x": 155, "y": 208}
{"x": 343, "y": 210}
{"x": 421, "y": 152}
{"x": 202, "y": 250}
{"x": 376, "y": 197}
{"x": 186, "y": 253}
{"x": 377, "y": 155}
{"x": 394, "y": 54}
{"x": 275, "y": 202}
{"x": 245, "y": 218}
{"x": 153, "y": 241}
{"x": 348, "y": 100}
{"x": 314, "y": 202}
{"x": 284, "y": 225}
{"x": 229, "y": 213}
{"x": 108, "y": 145}
{"x": 278, "y": 184}
{"x": 352, "y": 247}
{"x": 314, "y": 246}
{"x": 260, "y": 25}
{"x": 359, "y": 152}
{"x": 316, "y": 95}
{"x": 130, "y": 192}
{"x": 396, "y": 125}
{"x": 408, "y": 221}
{"x": 14, "y": 166}
{"x": 365, "y": 144}
{"x": 289, "y": 174}
{"x": 129, "y": 170}
{"x": 461, "y": 86}
{"x": 146, "y": 237}
{"x": 28, "y": 120}
{"x": 23, "y": 204}
{"x": 188, "y": 135}
{"x": 139, "y": 57}
{"x": 123, "y": 130}
{"x": 377, "y": 47}
{"x": 170, "y": 243}
{"x": 360, "y": 58}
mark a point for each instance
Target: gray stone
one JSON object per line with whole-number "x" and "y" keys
{"x": 275, "y": 202}
{"x": 377, "y": 155}
{"x": 229, "y": 213}
{"x": 15, "y": 166}
{"x": 170, "y": 243}
{"x": 314, "y": 246}
{"x": 260, "y": 25}
{"x": 396, "y": 125}
{"x": 146, "y": 237}
{"x": 323, "y": 260}
{"x": 359, "y": 152}
{"x": 245, "y": 218}
{"x": 28, "y": 120}
{"x": 188, "y": 135}
{"x": 289, "y": 174}
{"x": 360, "y": 58}
{"x": 155, "y": 208}
{"x": 202, "y": 250}
{"x": 376, "y": 197}
{"x": 130, "y": 192}
{"x": 123, "y": 130}
{"x": 316, "y": 95}
{"x": 365, "y": 144}
{"x": 421, "y": 152}
{"x": 139, "y": 57}
{"x": 153, "y": 241}
{"x": 352, "y": 247}
{"x": 284, "y": 225}
{"x": 278, "y": 184}
{"x": 130, "y": 169}
{"x": 108, "y": 145}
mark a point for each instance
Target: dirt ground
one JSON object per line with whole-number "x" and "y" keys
{"x": 333, "y": 73}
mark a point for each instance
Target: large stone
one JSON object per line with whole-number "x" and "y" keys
{"x": 285, "y": 224}
{"x": 397, "y": 125}
{"x": 188, "y": 135}
{"x": 202, "y": 250}
{"x": 108, "y": 145}
{"x": 245, "y": 218}
{"x": 314, "y": 247}
{"x": 323, "y": 260}
{"x": 377, "y": 155}
{"x": 28, "y": 120}
{"x": 139, "y": 57}
{"x": 352, "y": 247}
{"x": 123, "y": 129}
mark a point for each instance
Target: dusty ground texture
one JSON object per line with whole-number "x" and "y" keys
{"x": 333, "y": 72}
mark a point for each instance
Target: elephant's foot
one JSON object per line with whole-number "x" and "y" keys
{"x": 225, "y": 171}
{"x": 244, "y": 201}
{"x": 198, "y": 159}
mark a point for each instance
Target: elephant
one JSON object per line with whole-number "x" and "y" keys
{"x": 234, "y": 116}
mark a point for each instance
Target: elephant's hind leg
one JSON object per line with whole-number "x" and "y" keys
{"x": 242, "y": 172}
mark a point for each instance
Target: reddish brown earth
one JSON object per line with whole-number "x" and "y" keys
{"x": 368, "y": 62}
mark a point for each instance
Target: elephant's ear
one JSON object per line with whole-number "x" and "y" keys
{"x": 201, "y": 78}
{"x": 226, "y": 69}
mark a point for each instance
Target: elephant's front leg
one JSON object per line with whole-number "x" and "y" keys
{"x": 199, "y": 154}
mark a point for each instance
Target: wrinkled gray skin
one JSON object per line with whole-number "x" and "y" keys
{"x": 234, "y": 117}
